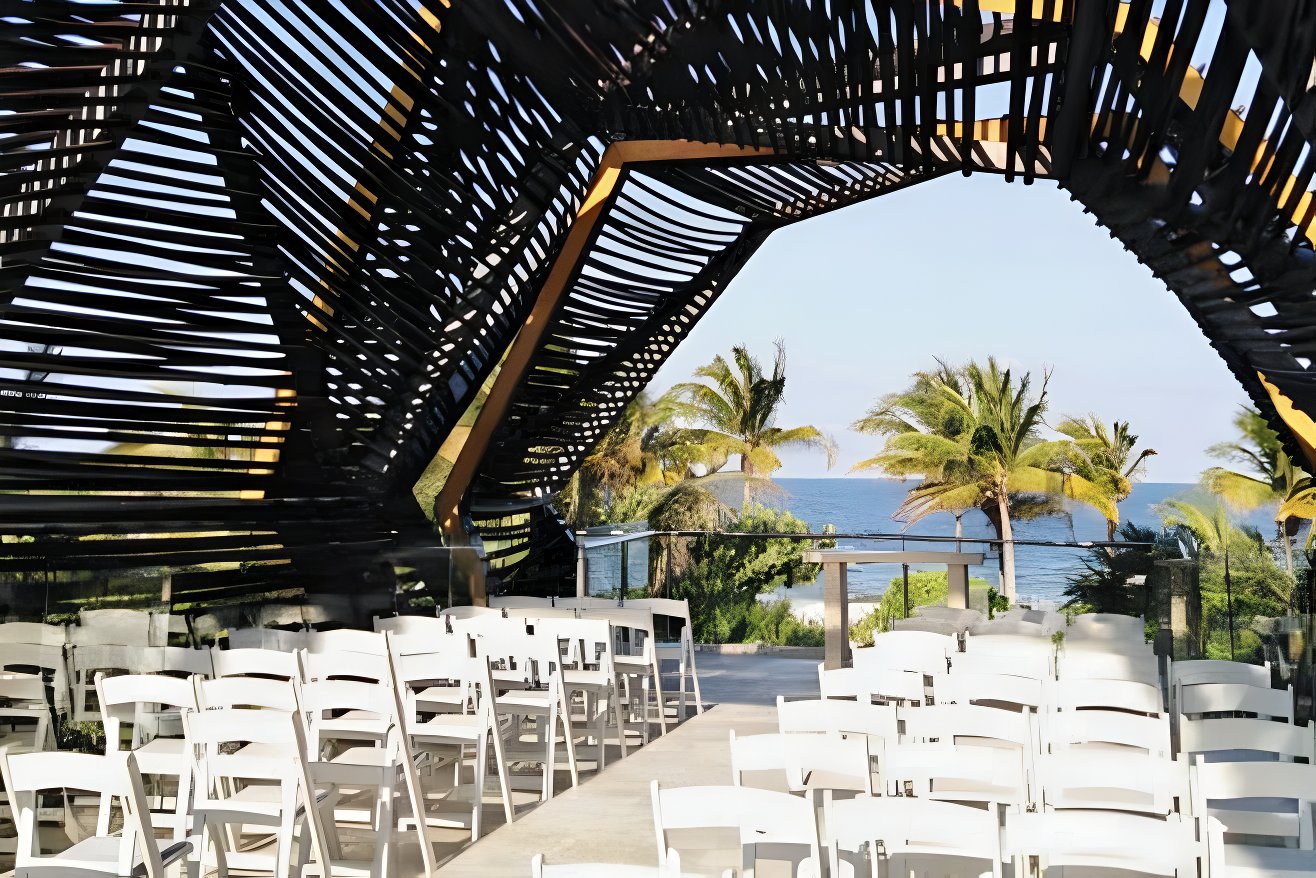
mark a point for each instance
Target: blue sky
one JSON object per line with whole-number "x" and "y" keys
{"x": 865, "y": 295}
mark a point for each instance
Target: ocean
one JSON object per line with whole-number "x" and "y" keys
{"x": 855, "y": 505}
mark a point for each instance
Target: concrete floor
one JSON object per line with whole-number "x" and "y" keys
{"x": 608, "y": 818}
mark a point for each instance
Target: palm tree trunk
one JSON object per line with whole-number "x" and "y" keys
{"x": 1283, "y": 529}
{"x": 746, "y": 471}
{"x": 1110, "y": 531}
{"x": 1007, "y": 547}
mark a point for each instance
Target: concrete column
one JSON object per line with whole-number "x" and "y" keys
{"x": 957, "y": 582}
{"x": 836, "y": 615}
{"x": 1185, "y": 611}
{"x": 582, "y": 565}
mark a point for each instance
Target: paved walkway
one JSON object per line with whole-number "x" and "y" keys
{"x": 609, "y": 819}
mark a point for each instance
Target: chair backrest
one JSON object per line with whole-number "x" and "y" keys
{"x": 923, "y": 652}
{"x": 1229, "y": 737}
{"x": 323, "y": 700}
{"x": 930, "y": 626}
{"x": 1104, "y": 839}
{"x": 756, "y": 753}
{"x": 275, "y": 639}
{"x": 639, "y": 621}
{"x": 178, "y": 660}
{"x": 216, "y": 767}
{"x": 828, "y": 760}
{"x": 540, "y": 613}
{"x": 585, "y": 641}
{"x": 1010, "y": 627}
{"x": 669, "y": 608}
{"x": 761, "y": 816}
{"x": 470, "y": 612}
{"x": 344, "y": 665}
{"x": 831, "y": 715}
{"x": 1192, "y": 672}
{"x": 1036, "y": 665}
{"x": 34, "y": 633}
{"x": 1077, "y": 663}
{"x": 116, "y": 628}
{"x": 347, "y": 640}
{"x": 1127, "y": 695}
{"x": 1107, "y": 626}
{"x": 959, "y": 773}
{"x": 968, "y": 687}
{"x": 130, "y": 697}
{"x": 254, "y": 662}
{"x": 960, "y": 618}
{"x": 114, "y": 777}
{"x": 574, "y": 603}
{"x": 1236, "y": 698}
{"x": 519, "y": 602}
{"x": 962, "y": 723}
{"x": 247, "y": 692}
{"x": 1067, "y": 729}
{"x": 1125, "y": 780}
{"x": 1258, "y": 784}
{"x": 908, "y": 825}
{"x": 412, "y": 625}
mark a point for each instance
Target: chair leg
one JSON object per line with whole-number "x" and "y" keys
{"x": 568, "y": 735}
{"x": 504, "y": 783}
{"x": 477, "y": 808}
{"x": 614, "y": 700}
{"x": 658, "y": 690}
{"x": 550, "y": 754}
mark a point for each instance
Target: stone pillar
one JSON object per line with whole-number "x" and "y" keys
{"x": 957, "y": 586}
{"x": 1184, "y": 593}
{"x": 582, "y": 566}
{"x": 836, "y": 615}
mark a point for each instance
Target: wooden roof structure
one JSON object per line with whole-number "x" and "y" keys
{"x": 261, "y": 261}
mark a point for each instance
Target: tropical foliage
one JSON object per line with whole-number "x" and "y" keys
{"x": 1110, "y": 451}
{"x": 1103, "y": 584}
{"x": 733, "y": 411}
{"x": 1241, "y": 581}
{"x": 1266, "y": 475}
{"x": 722, "y": 576}
{"x": 973, "y": 436}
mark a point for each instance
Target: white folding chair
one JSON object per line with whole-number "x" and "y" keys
{"x": 263, "y": 784}
{"x": 590, "y": 670}
{"x": 152, "y": 703}
{"x": 177, "y": 661}
{"x": 254, "y": 662}
{"x": 538, "y": 661}
{"x": 911, "y": 835}
{"x": 1236, "y": 739}
{"x": 682, "y": 650}
{"x": 867, "y": 684}
{"x": 1021, "y": 655}
{"x": 931, "y": 626}
{"x": 349, "y": 768}
{"x": 758, "y": 753}
{"x": 134, "y": 853}
{"x": 772, "y": 825}
{"x": 455, "y": 613}
{"x": 475, "y": 729}
{"x": 1103, "y": 840}
{"x": 1272, "y": 799}
{"x": 31, "y": 647}
{"x": 636, "y": 661}
{"x": 88, "y": 660}
{"x": 23, "y": 709}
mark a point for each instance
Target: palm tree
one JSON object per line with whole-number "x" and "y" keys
{"x": 972, "y": 435}
{"x": 736, "y": 412}
{"x": 623, "y": 460}
{"x": 1110, "y": 450}
{"x": 1272, "y": 477}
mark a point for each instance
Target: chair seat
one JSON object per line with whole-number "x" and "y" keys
{"x": 162, "y": 756}
{"x": 631, "y": 664}
{"x": 592, "y": 681}
{"x": 100, "y": 853}
{"x": 526, "y": 702}
{"x": 448, "y": 727}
